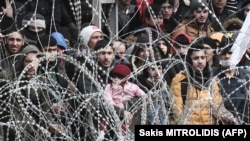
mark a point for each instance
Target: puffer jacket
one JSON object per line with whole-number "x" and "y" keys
{"x": 200, "y": 106}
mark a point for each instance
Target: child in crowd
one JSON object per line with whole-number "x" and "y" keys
{"x": 120, "y": 90}
{"x": 119, "y": 93}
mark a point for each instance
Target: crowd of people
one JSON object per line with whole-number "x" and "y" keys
{"x": 62, "y": 77}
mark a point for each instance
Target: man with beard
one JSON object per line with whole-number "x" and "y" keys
{"x": 105, "y": 55}
{"x": 95, "y": 68}
{"x": 14, "y": 43}
{"x": 195, "y": 23}
{"x": 91, "y": 77}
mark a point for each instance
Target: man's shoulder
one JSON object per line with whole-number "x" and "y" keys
{"x": 244, "y": 70}
{"x": 180, "y": 76}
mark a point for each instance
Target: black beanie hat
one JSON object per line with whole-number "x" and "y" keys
{"x": 46, "y": 40}
{"x": 160, "y": 2}
{"x": 226, "y": 44}
{"x": 34, "y": 19}
{"x": 209, "y": 41}
{"x": 155, "y": 8}
{"x": 101, "y": 44}
{"x": 197, "y": 3}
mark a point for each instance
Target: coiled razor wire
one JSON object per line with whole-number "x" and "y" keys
{"x": 89, "y": 110}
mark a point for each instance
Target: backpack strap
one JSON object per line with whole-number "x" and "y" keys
{"x": 184, "y": 87}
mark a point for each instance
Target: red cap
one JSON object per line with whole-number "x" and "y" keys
{"x": 121, "y": 69}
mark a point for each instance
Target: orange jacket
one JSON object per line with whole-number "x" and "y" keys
{"x": 201, "y": 106}
{"x": 192, "y": 29}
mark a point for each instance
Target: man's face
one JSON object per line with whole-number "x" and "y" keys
{"x": 225, "y": 57}
{"x": 32, "y": 62}
{"x": 105, "y": 57}
{"x": 181, "y": 49}
{"x": 120, "y": 49}
{"x": 35, "y": 28}
{"x": 51, "y": 52}
{"x": 201, "y": 15}
{"x": 209, "y": 52}
{"x": 220, "y": 4}
{"x": 246, "y": 10}
{"x": 125, "y": 2}
{"x": 167, "y": 10}
{"x": 14, "y": 42}
{"x": 96, "y": 36}
{"x": 155, "y": 72}
{"x": 155, "y": 21}
{"x": 162, "y": 44}
{"x": 144, "y": 52}
{"x": 131, "y": 39}
{"x": 199, "y": 60}
{"x": 116, "y": 80}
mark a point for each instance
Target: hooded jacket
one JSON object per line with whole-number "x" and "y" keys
{"x": 31, "y": 101}
{"x": 19, "y": 61}
{"x": 233, "y": 24}
{"x": 196, "y": 95}
{"x": 176, "y": 64}
{"x": 201, "y": 106}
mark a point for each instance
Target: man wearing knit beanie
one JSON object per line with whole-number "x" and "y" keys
{"x": 89, "y": 35}
{"x": 34, "y": 27}
{"x": 198, "y": 3}
{"x": 196, "y": 21}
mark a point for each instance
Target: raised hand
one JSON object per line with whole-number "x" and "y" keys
{"x": 8, "y": 10}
